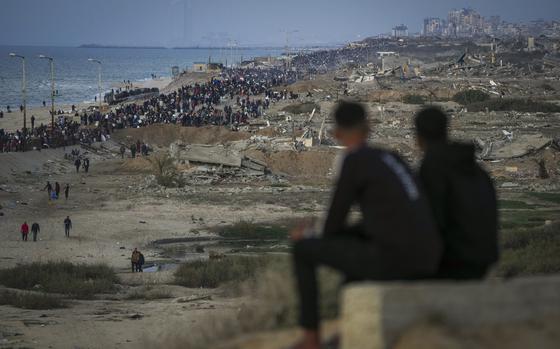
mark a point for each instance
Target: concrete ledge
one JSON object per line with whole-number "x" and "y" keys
{"x": 374, "y": 315}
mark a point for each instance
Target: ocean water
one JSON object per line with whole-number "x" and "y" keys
{"x": 76, "y": 78}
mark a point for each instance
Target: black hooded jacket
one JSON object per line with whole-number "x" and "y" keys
{"x": 463, "y": 199}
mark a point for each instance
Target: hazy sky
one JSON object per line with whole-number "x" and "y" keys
{"x": 214, "y": 22}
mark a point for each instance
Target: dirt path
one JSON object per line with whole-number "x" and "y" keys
{"x": 109, "y": 220}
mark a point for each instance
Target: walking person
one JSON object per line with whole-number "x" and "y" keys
{"x": 66, "y": 191}
{"x": 140, "y": 263}
{"x": 138, "y": 147}
{"x": 122, "y": 151}
{"x": 133, "y": 151}
{"x": 134, "y": 259}
{"x": 48, "y": 188}
{"x": 35, "y": 229}
{"x": 77, "y": 163}
{"x": 57, "y": 189}
{"x": 67, "y": 226}
{"x": 24, "y": 231}
{"x": 86, "y": 165}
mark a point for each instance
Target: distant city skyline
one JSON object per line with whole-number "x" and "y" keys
{"x": 172, "y": 23}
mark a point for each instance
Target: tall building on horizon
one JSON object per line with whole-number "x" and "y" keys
{"x": 434, "y": 26}
{"x": 400, "y": 31}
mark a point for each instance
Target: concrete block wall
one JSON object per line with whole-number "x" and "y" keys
{"x": 374, "y": 315}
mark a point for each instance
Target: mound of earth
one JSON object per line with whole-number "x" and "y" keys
{"x": 315, "y": 164}
{"x": 321, "y": 82}
{"x": 164, "y": 135}
{"x": 137, "y": 165}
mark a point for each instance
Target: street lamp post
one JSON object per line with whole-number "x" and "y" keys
{"x": 98, "y": 79}
{"x": 51, "y": 61}
{"x": 23, "y": 90}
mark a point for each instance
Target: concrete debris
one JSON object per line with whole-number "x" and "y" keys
{"x": 521, "y": 146}
{"x": 220, "y": 155}
{"x": 206, "y": 154}
{"x": 194, "y": 298}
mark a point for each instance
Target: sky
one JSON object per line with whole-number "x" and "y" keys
{"x": 172, "y": 23}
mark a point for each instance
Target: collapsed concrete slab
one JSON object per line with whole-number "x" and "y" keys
{"x": 518, "y": 147}
{"x": 220, "y": 155}
{"x": 374, "y": 315}
{"x": 206, "y": 154}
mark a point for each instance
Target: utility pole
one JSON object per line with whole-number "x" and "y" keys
{"x": 23, "y": 91}
{"x": 288, "y": 51}
{"x": 51, "y": 61}
{"x": 98, "y": 80}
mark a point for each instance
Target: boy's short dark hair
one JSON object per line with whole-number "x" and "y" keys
{"x": 431, "y": 124}
{"x": 350, "y": 116}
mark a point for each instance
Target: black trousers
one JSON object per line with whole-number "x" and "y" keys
{"x": 457, "y": 270}
{"x": 355, "y": 257}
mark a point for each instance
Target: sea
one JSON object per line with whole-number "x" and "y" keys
{"x": 76, "y": 77}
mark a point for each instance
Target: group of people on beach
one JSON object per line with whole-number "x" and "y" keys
{"x": 36, "y": 229}
{"x": 244, "y": 94}
{"x": 65, "y": 133}
{"x": 54, "y": 191}
{"x": 327, "y": 60}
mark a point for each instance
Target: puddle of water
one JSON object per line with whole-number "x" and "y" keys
{"x": 161, "y": 267}
{"x": 188, "y": 257}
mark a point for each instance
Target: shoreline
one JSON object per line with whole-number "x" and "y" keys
{"x": 84, "y": 92}
{"x": 14, "y": 121}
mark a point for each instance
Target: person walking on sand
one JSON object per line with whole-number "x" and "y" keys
{"x": 86, "y": 165}
{"x": 134, "y": 259}
{"x": 67, "y": 226}
{"x": 140, "y": 263}
{"x": 57, "y": 189}
{"x": 123, "y": 150}
{"x": 77, "y": 163}
{"x": 35, "y": 229}
{"x": 66, "y": 191}
{"x": 24, "y": 231}
{"x": 48, "y": 188}
{"x": 133, "y": 151}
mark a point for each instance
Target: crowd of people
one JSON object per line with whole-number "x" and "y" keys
{"x": 66, "y": 132}
{"x": 327, "y": 60}
{"x": 232, "y": 98}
